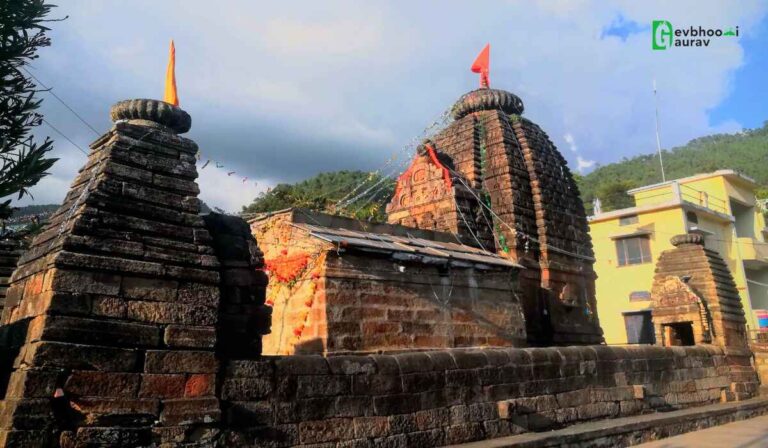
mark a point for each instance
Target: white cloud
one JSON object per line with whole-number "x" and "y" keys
{"x": 229, "y": 193}
{"x": 568, "y": 137}
{"x": 356, "y": 79}
{"x": 582, "y": 164}
{"x": 339, "y": 37}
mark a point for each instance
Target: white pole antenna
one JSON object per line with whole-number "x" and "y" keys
{"x": 658, "y": 141}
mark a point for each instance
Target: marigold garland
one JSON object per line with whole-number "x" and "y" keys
{"x": 287, "y": 269}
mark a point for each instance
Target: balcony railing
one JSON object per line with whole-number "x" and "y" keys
{"x": 678, "y": 193}
{"x": 702, "y": 199}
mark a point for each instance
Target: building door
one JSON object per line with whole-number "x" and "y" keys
{"x": 639, "y": 327}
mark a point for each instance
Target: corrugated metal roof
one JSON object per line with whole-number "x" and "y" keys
{"x": 409, "y": 248}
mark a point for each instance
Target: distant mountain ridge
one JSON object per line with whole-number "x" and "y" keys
{"x": 745, "y": 152}
{"x": 28, "y": 211}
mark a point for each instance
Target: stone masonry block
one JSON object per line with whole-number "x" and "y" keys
{"x": 162, "y": 385}
{"x": 168, "y": 361}
{"x": 184, "y": 336}
{"x": 186, "y": 411}
{"x": 78, "y": 356}
{"x": 103, "y": 384}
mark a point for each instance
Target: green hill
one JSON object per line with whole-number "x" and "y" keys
{"x": 746, "y": 152}
{"x": 324, "y": 190}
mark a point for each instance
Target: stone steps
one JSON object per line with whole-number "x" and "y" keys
{"x": 630, "y": 431}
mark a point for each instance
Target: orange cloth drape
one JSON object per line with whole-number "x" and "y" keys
{"x": 170, "y": 79}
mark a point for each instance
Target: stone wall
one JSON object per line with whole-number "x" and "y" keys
{"x": 370, "y": 306}
{"x": 452, "y": 396}
{"x": 761, "y": 365}
{"x": 243, "y": 316}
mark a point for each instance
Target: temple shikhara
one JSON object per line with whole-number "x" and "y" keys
{"x": 133, "y": 320}
{"x": 494, "y": 178}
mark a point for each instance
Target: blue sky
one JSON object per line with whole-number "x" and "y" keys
{"x": 747, "y": 102}
{"x": 279, "y": 91}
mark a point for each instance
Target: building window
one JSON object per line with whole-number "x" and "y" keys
{"x": 692, "y": 218}
{"x": 633, "y": 250}
{"x": 639, "y": 296}
{"x": 627, "y": 220}
{"x": 639, "y": 327}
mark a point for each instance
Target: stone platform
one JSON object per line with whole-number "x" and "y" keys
{"x": 652, "y": 427}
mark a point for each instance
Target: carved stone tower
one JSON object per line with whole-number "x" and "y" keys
{"x": 511, "y": 192}
{"x": 109, "y": 322}
{"x": 695, "y": 300}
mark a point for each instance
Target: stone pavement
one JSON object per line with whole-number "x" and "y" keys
{"x": 632, "y": 431}
{"x": 751, "y": 433}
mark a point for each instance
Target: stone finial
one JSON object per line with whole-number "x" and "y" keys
{"x": 152, "y": 113}
{"x": 487, "y": 99}
{"x": 687, "y": 238}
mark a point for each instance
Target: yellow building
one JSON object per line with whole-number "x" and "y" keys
{"x": 719, "y": 205}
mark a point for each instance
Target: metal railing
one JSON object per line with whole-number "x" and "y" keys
{"x": 758, "y": 337}
{"x": 703, "y": 199}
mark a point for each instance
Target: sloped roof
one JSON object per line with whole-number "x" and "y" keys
{"x": 399, "y": 242}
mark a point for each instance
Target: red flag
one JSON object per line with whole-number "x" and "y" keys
{"x": 482, "y": 65}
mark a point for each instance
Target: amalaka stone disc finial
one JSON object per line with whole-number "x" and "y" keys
{"x": 687, "y": 238}
{"x": 152, "y": 113}
{"x": 487, "y": 99}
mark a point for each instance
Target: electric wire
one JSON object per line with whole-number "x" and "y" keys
{"x": 50, "y": 91}
{"x": 65, "y": 136}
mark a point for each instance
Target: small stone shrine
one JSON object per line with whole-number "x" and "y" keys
{"x": 695, "y": 300}
{"x": 342, "y": 285}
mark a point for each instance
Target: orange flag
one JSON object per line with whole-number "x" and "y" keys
{"x": 170, "y": 79}
{"x": 482, "y": 65}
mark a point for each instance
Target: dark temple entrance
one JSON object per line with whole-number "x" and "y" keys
{"x": 679, "y": 333}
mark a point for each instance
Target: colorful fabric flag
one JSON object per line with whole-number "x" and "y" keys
{"x": 170, "y": 78}
{"x": 482, "y": 65}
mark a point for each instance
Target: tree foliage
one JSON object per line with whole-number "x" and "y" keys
{"x": 322, "y": 192}
{"x": 613, "y": 195}
{"x": 745, "y": 152}
{"x": 23, "y": 161}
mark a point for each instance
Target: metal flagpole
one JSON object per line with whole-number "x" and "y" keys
{"x": 658, "y": 141}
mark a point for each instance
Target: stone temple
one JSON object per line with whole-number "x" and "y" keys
{"x": 133, "y": 321}
{"x": 494, "y": 178}
{"x": 492, "y": 185}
